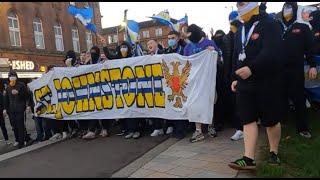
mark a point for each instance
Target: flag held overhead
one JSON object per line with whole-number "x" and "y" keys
{"x": 84, "y": 15}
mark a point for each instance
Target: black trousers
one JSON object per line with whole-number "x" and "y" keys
{"x": 83, "y": 124}
{"x": 133, "y": 124}
{"x": 3, "y": 126}
{"x": 293, "y": 88}
{"x": 58, "y": 126}
{"x": 18, "y": 126}
{"x": 95, "y": 124}
{"x": 158, "y": 123}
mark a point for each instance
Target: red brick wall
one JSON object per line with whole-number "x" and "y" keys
{"x": 49, "y": 13}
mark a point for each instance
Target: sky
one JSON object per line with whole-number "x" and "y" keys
{"x": 205, "y": 14}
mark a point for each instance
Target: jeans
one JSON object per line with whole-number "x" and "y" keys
{"x": 43, "y": 128}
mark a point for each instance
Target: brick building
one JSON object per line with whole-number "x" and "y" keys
{"x": 148, "y": 30}
{"x": 34, "y": 35}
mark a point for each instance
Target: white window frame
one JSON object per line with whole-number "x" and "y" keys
{"x": 158, "y": 32}
{"x": 38, "y": 35}
{"x": 145, "y": 34}
{"x": 13, "y": 31}
{"x": 89, "y": 40}
{"x": 75, "y": 39}
{"x": 58, "y": 37}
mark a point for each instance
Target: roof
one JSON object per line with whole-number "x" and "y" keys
{"x": 144, "y": 24}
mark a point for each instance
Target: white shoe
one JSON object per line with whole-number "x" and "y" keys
{"x": 157, "y": 132}
{"x": 169, "y": 130}
{"x": 15, "y": 144}
{"x": 64, "y": 135}
{"x": 237, "y": 136}
{"x": 130, "y": 135}
{"x": 56, "y": 137}
{"x": 136, "y": 135}
{"x": 8, "y": 142}
{"x": 104, "y": 133}
{"x": 89, "y": 135}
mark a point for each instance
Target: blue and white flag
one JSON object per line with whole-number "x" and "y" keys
{"x": 180, "y": 22}
{"x": 132, "y": 31}
{"x": 84, "y": 15}
{"x": 164, "y": 18}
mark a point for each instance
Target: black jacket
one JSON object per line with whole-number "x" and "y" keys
{"x": 16, "y": 103}
{"x": 315, "y": 22}
{"x": 227, "y": 54}
{"x": 1, "y": 102}
{"x": 297, "y": 42}
{"x": 262, "y": 52}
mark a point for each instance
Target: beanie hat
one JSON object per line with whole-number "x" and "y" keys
{"x": 233, "y": 16}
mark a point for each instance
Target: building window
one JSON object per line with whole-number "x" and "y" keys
{"x": 14, "y": 29}
{"x": 158, "y": 32}
{"x": 113, "y": 39}
{"x": 73, "y": 3}
{"x": 89, "y": 40}
{"x": 38, "y": 34}
{"x": 145, "y": 34}
{"x": 75, "y": 40}
{"x": 58, "y": 37}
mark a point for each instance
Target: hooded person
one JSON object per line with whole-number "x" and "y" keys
{"x": 124, "y": 50}
{"x": 70, "y": 59}
{"x": 315, "y": 23}
{"x": 199, "y": 42}
{"x": 218, "y": 38}
{"x": 256, "y": 81}
{"x": 95, "y": 55}
{"x": 229, "y": 98}
{"x": 297, "y": 42}
{"x": 15, "y": 101}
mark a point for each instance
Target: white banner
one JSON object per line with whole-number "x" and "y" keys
{"x": 168, "y": 86}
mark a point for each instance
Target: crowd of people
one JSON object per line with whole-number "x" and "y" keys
{"x": 260, "y": 67}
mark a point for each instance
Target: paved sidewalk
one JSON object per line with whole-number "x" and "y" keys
{"x": 206, "y": 159}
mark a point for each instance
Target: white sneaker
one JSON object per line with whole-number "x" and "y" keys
{"x": 237, "y": 136}
{"x": 136, "y": 135}
{"x": 130, "y": 135}
{"x": 56, "y": 137}
{"x": 64, "y": 135}
{"x": 89, "y": 135}
{"x": 157, "y": 132}
{"x": 169, "y": 130}
{"x": 104, "y": 133}
{"x": 15, "y": 144}
{"x": 197, "y": 136}
{"x": 8, "y": 142}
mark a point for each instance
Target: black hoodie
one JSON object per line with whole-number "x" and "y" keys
{"x": 297, "y": 42}
{"x": 315, "y": 23}
{"x": 262, "y": 53}
{"x": 16, "y": 103}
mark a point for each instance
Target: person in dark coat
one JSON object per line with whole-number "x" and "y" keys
{"x": 229, "y": 98}
{"x": 2, "y": 120}
{"x": 256, "y": 81}
{"x": 176, "y": 45}
{"x": 94, "y": 124}
{"x": 297, "y": 42}
{"x": 15, "y": 103}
